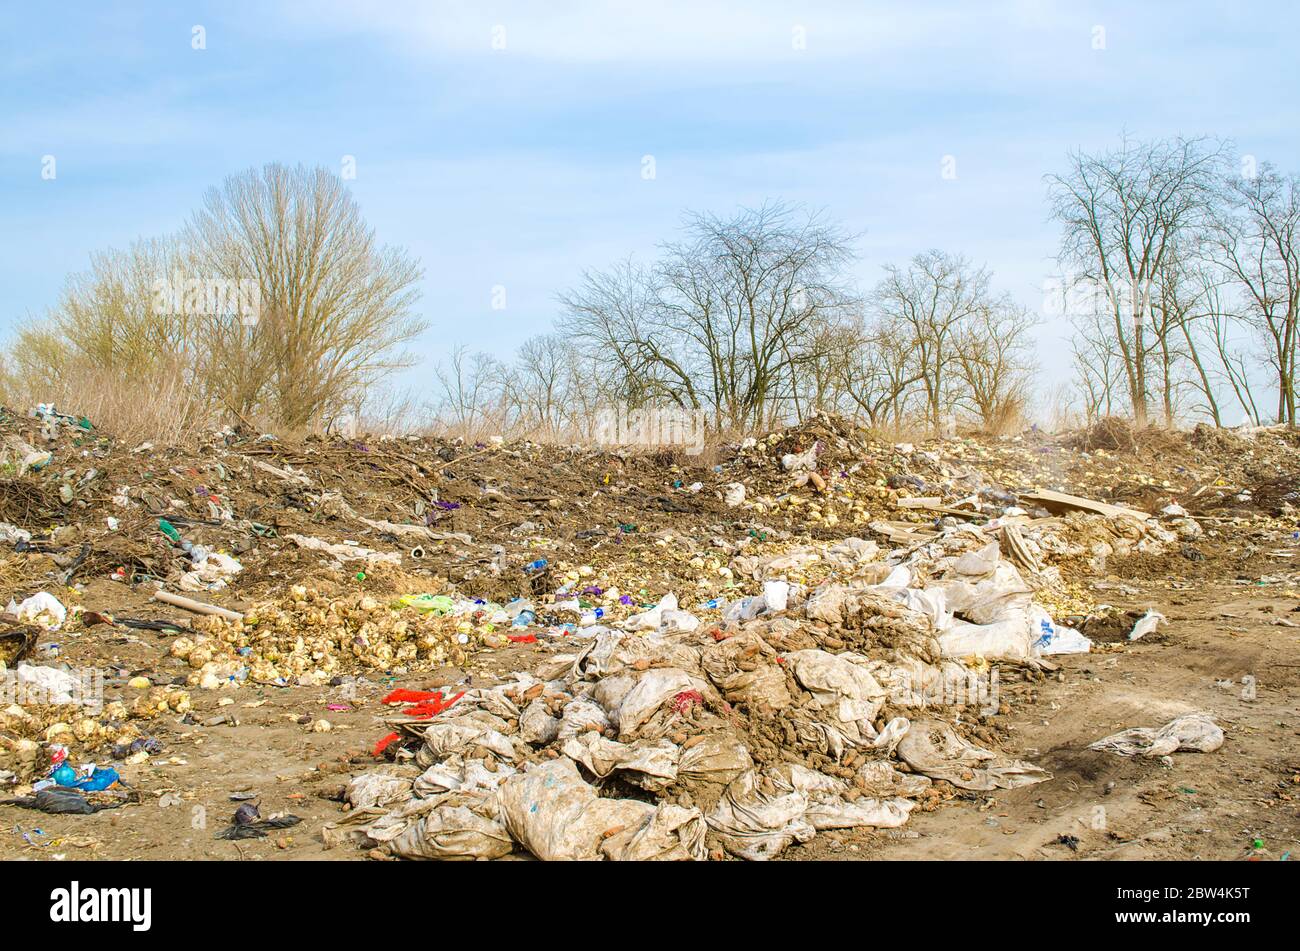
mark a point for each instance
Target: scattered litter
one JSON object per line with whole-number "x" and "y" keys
{"x": 1146, "y": 624}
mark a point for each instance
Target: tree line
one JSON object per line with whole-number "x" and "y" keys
{"x": 1179, "y": 275}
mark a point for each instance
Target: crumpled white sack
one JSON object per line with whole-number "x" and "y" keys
{"x": 1194, "y": 731}
{"x": 555, "y": 814}
{"x": 932, "y": 748}
{"x": 1145, "y": 625}
{"x": 42, "y": 609}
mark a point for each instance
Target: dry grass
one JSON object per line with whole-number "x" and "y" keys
{"x": 161, "y": 408}
{"x": 1116, "y": 434}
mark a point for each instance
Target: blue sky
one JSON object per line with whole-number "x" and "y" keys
{"x": 522, "y": 166}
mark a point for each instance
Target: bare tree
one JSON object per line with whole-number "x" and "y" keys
{"x": 334, "y": 306}
{"x": 934, "y": 298}
{"x": 540, "y": 389}
{"x": 752, "y": 293}
{"x": 878, "y": 368}
{"x": 1255, "y": 233}
{"x": 469, "y": 392}
{"x": 725, "y": 320}
{"x": 1123, "y": 211}
{"x": 1096, "y": 364}
{"x": 994, "y": 358}
{"x": 610, "y": 316}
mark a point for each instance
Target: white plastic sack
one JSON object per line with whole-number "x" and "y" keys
{"x": 377, "y": 789}
{"x": 458, "y": 826}
{"x": 1008, "y": 639}
{"x": 1055, "y": 638}
{"x": 537, "y": 725}
{"x": 932, "y": 748}
{"x": 653, "y": 689}
{"x": 1145, "y": 625}
{"x": 42, "y": 609}
{"x": 555, "y": 814}
{"x": 758, "y": 825}
{"x": 47, "y": 685}
{"x": 844, "y": 689}
{"x": 713, "y": 758}
{"x": 879, "y": 779}
{"x": 652, "y": 766}
{"x": 1195, "y": 732}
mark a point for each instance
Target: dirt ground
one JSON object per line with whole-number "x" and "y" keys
{"x": 1230, "y": 648}
{"x": 1097, "y": 806}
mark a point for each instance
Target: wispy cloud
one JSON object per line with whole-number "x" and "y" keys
{"x": 521, "y": 165}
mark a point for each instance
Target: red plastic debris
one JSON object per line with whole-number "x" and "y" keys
{"x": 402, "y": 695}
{"x": 687, "y": 699}
{"x": 426, "y": 703}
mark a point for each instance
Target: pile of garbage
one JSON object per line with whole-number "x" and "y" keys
{"x": 666, "y": 738}
{"x": 719, "y": 654}
{"x": 308, "y": 637}
{"x": 51, "y": 718}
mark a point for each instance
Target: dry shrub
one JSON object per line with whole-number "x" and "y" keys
{"x": 1007, "y": 419}
{"x": 1115, "y": 434}
{"x": 1110, "y": 433}
{"x": 161, "y": 407}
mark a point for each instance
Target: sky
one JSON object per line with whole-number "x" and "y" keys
{"x": 507, "y": 145}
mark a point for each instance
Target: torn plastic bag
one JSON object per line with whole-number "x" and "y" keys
{"x": 879, "y": 778}
{"x": 457, "y": 775}
{"x": 827, "y": 807}
{"x": 845, "y": 690}
{"x": 653, "y": 689}
{"x": 581, "y": 715}
{"x": 755, "y": 824}
{"x": 556, "y": 815}
{"x": 744, "y": 669}
{"x": 839, "y": 813}
{"x": 42, "y": 609}
{"x": 456, "y": 826}
{"x": 651, "y": 620}
{"x": 932, "y": 747}
{"x": 537, "y": 725}
{"x": 852, "y": 551}
{"x": 1145, "y": 625}
{"x": 473, "y": 732}
{"x": 259, "y": 828}
{"x": 63, "y": 800}
{"x": 652, "y": 766}
{"x": 614, "y": 651}
{"x": 377, "y": 789}
{"x": 990, "y": 599}
{"x": 1055, "y": 638}
{"x": 1195, "y": 732}
{"x": 713, "y": 758}
{"x": 892, "y": 734}
{"x": 982, "y": 561}
{"x": 51, "y": 685}
{"x": 672, "y": 834}
{"x": 1008, "y": 639}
